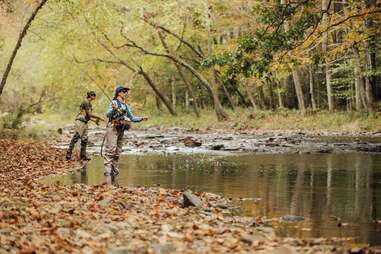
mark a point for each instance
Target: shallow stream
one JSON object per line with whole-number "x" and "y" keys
{"x": 339, "y": 195}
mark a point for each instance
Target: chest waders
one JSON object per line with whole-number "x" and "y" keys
{"x": 117, "y": 116}
{"x": 113, "y": 140}
{"x": 81, "y": 126}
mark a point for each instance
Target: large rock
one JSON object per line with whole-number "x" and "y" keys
{"x": 191, "y": 142}
{"x": 291, "y": 218}
{"x": 191, "y": 200}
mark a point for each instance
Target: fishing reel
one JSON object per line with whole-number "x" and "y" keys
{"x": 118, "y": 120}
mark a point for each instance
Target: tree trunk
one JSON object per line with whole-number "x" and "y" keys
{"x": 369, "y": 80}
{"x": 18, "y": 45}
{"x": 228, "y": 96}
{"x": 226, "y": 92}
{"x": 189, "y": 91}
{"x": 296, "y": 77}
{"x": 157, "y": 103}
{"x": 371, "y": 51}
{"x": 271, "y": 95}
{"x": 250, "y": 95}
{"x": 312, "y": 81}
{"x": 359, "y": 82}
{"x": 186, "y": 103}
{"x": 157, "y": 92}
{"x": 221, "y": 114}
{"x": 251, "y": 99}
{"x": 279, "y": 92}
{"x": 173, "y": 93}
{"x": 325, "y": 7}
{"x": 299, "y": 91}
{"x": 242, "y": 99}
{"x": 261, "y": 97}
{"x": 328, "y": 76}
{"x": 182, "y": 76}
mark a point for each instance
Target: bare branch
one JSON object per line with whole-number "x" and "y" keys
{"x": 76, "y": 60}
{"x": 157, "y": 26}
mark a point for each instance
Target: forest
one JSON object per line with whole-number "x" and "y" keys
{"x": 185, "y": 57}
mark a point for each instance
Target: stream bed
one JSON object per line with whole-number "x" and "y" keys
{"x": 306, "y": 195}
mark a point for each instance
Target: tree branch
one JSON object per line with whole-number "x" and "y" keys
{"x": 157, "y": 26}
{"x": 18, "y": 45}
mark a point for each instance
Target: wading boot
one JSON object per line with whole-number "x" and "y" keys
{"x": 114, "y": 171}
{"x": 83, "y": 155}
{"x": 71, "y": 146}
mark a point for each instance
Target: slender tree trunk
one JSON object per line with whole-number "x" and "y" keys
{"x": 241, "y": 97}
{"x": 369, "y": 80}
{"x": 228, "y": 96}
{"x": 186, "y": 95}
{"x": 189, "y": 91}
{"x": 296, "y": 77}
{"x": 18, "y": 45}
{"x": 299, "y": 91}
{"x": 250, "y": 95}
{"x": 359, "y": 82}
{"x": 182, "y": 76}
{"x": 252, "y": 100}
{"x": 226, "y": 92}
{"x": 271, "y": 95}
{"x": 325, "y": 8}
{"x": 261, "y": 97}
{"x": 312, "y": 81}
{"x": 221, "y": 114}
{"x": 328, "y": 78}
{"x": 157, "y": 92}
{"x": 371, "y": 46}
{"x": 173, "y": 93}
{"x": 157, "y": 100}
{"x": 279, "y": 92}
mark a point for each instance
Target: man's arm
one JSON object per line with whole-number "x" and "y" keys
{"x": 133, "y": 118}
{"x": 92, "y": 116}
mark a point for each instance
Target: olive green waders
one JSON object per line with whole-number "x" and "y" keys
{"x": 113, "y": 147}
{"x": 80, "y": 133}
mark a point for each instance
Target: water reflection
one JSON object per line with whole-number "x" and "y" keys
{"x": 82, "y": 177}
{"x": 336, "y": 193}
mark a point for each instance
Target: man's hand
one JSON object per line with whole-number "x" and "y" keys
{"x": 144, "y": 118}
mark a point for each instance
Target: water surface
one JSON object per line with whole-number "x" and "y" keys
{"x": 319, "y": 187}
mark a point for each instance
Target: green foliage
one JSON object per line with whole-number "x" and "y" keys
{"x": 79, "y": 45}
{"x": 254, "y": 53}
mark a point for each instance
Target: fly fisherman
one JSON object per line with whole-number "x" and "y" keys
{"x": 119, "y": 115}
{"x": 81, "y": 125}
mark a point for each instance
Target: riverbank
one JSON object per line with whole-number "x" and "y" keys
{"x": 37, "y": 218}
{"x": 354, "y": 123}
{"x": 242, "y": 120}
